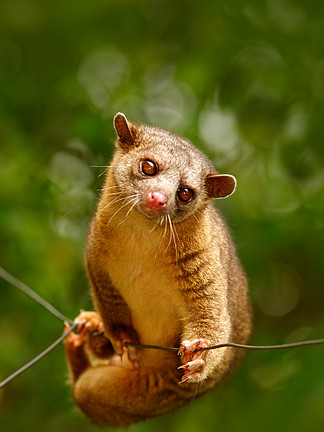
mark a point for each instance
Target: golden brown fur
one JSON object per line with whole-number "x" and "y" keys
{"x": 157, "y": 280}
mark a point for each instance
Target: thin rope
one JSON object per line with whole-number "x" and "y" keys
{"x": 39, "y": 357}
{"x": 266, "y": 347}
{"x": 151, "y": 346}
{"x": 20, "y": 285}
{"x": 24, "y": 288}
{"x": 241, "y": 346}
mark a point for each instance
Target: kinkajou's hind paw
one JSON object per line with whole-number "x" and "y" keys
{"x": 100, "y": 345}
{"x": 133, "y": 353}
{"x": 73, "y": 341}
{"x": 193, "y": 361}
{"x": 135, "y": 357}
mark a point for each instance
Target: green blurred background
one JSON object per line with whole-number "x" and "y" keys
{"x": 243, "y": 80}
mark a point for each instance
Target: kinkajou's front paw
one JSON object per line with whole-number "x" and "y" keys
{"x": 90, "y": 330}
{"x": 89, "y": 322}
{"x": 194, "y": 362}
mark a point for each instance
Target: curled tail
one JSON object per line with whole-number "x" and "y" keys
{"x": 115, "y": 395}
{"x": 119, "y": 396}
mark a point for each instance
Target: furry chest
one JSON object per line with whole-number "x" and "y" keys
{"x": 150, "y": 292}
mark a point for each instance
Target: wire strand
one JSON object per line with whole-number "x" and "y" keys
{"x": 235, "y": 345}
{"x": 157, "y": 347}
{"x": 266, "y": 347}
{"x": 20, "y": 285}
{"x": 24, "y": 288}
{"x": 38, "y": 357}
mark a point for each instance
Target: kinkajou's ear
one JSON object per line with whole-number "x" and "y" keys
{"x": 220, "y": 185}
{"x": 125, "y": 131}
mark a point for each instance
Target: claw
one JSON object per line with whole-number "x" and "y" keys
{"x": 134, "y": 357}
{"x": 183, "y": 380}
{"x": 66, "y": 326}
{"x": 80, "y": 325}
{"x": 193, "y": 366}
{"x": 118, "y": 347}
{"x": 181, "y": 350}
{"x": 88, "y": 322}
{"x": 181, "y": 354}
{"x": 192, "y": 359}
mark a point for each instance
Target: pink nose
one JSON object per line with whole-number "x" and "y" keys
{"x": 156, "y": 200}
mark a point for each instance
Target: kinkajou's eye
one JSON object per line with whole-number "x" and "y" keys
{"x": 185, "y": 194}
{"x": 149, "y": 167}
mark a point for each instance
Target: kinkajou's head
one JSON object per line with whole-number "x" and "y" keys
{"x": 164, "y": 173}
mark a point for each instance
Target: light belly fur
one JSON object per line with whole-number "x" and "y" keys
{"x": 148, "y": 288}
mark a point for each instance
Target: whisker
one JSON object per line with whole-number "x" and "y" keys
{"x": 175, "y": 232}
{"x": 195, "y": 217}
{"x": 117, "y": 211}
{"x": 175, "y": 239}
{"x": 155, "y": 226}
{"x": 172, "y": 230}
{"x": 167, "y": 219}
{"x": 166, "y": 225}
{"x": 160, "y": 222}
{"x": 114, "y": 201}
{"x": 120, "y": 208}
{"x": 106, "y": 166}
{"x": 110, "y": 193}
{"x": 102, "y": 173}
{"x": 109, "y": 187}
{"x": 136, "y": 201}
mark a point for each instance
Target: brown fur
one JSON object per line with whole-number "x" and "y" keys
{"x": 155, "y": 285}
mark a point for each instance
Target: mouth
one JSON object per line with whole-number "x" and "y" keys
{"x": 152, "y": 213}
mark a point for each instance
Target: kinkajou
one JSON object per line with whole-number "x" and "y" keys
{"x": 163, "y": 271}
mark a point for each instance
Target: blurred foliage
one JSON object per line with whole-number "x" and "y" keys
{"x": 245, "y": 82}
